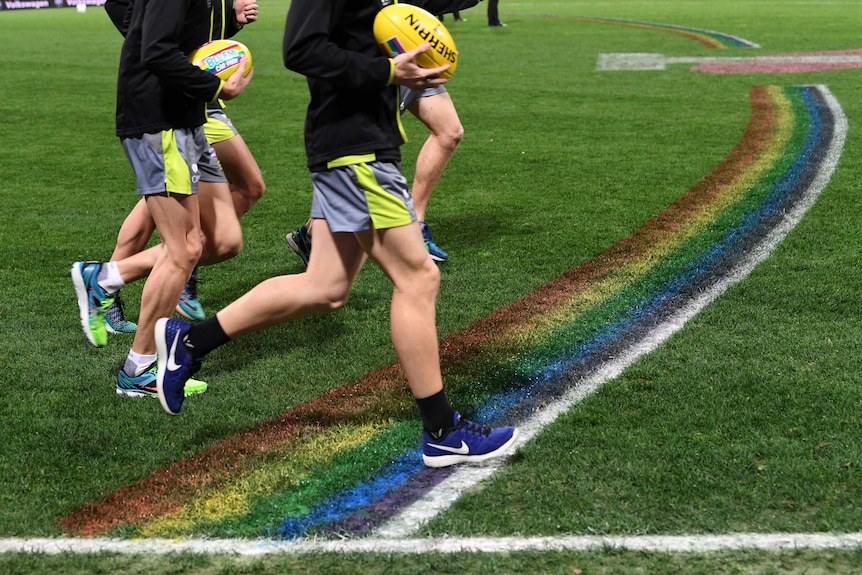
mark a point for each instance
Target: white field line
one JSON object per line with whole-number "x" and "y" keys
{"x": 395, "y": 536}
{"x": 465, "y": 478}
{"x": 648, "y": 61}
{"x": 655, "y": 543}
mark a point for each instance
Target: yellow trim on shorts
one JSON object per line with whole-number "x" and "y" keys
{"x": 386, "y": 210}
{"x": 178, "y": 179}
{"x": 217, "y": 131}
{"x": 351, "y": 160}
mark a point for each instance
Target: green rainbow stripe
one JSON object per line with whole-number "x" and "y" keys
{"x": 709, "y": 38}
{"x": 349, "y": 460}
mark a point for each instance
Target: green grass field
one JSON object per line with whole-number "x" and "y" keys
{"x": 745, "y": 421}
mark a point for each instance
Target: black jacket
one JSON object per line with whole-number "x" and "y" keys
{"x": 354, "y": 107}
{"x": 158, "y": 88}
{"x": 223, "y": 22}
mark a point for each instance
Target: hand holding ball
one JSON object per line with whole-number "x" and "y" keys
{"x": 399, "y": 28}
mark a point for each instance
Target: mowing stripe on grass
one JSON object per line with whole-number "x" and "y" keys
{"x": 550, "y": 348}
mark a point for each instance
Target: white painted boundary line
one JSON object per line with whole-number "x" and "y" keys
{"x": 393, "y": 536}
{"x": 654, "y": 543}
{"x": 466, "y": 478}
{"x": 647, "y": 61}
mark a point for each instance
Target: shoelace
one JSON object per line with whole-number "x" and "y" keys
{"x": 193, "y": 286}
{"x": 471, "y": 427}
{"x": 117, "y": 311}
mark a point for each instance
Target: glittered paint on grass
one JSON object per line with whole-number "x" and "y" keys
{"x": 349, "y": 460}
{"x": 709, "y": 38}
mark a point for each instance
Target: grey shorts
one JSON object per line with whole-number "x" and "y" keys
{"x": 358, "y": 193}
{"x": 172, "y": 161}
{"x": 218, "y": 127}
{"x": 408, "y": 95}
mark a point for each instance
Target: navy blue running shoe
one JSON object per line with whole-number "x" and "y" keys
{"x": 467, "y": 442}
{"x": 176, "y": 364}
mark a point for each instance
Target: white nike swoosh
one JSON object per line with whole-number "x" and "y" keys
{"x": 463, "y": 450}
{"x": 172, "y": 365}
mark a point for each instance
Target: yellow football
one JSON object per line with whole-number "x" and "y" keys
{"x": 399, "y": 28}
{"x": 221, "y": 57}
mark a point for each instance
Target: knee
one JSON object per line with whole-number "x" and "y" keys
{"x": 452, "y": 136}
{"x": 227, "y": 244}
{"x": 425, "y": 282}
{"x": 252, "y": 190}
{"x": 431, "y": 276}
{"x": 194, "y": 250}
{"x": 332, "y": 300}
{"x": 230, "y": 248}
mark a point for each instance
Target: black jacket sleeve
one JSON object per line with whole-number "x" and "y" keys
{"x": 161, "y": 54}
{"x": 309, "y": 50}
{"x": 119, "y": 11}
{"x": 442, "y": 6}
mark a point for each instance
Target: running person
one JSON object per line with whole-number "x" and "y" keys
{"x": 433, "y": 107}
{"x": 240, "y": 171}
{"x": 161, "y": 109}
{"x": 362, "y": 209}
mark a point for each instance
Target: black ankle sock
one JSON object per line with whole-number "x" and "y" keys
{"x": 437, "y": 415}
{"x": 205, "y": 336}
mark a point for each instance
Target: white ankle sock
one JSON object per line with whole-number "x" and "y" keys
{"x": 136, "y": 363}
{"x": 110, "y": 278}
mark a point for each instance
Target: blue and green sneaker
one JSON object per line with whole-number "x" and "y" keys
{"x": 436, "y": 253}
{"x": 93, "y": 301}
{"x": 189, "y": 306}
{"x": 144, "y": 385}
{"x": 115, "y": 318}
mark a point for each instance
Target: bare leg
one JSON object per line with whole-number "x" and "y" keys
{"x": 438, "y": 113}
{"x": 222, "y": 233}
{"x": 243, "y": 173}
{"x": 177, "y": 218}
{"x": 135, "y": 233}
{"x": 400, "y": 253}
{"x": 323, "y": 287}
{"x": 246, "y": 188}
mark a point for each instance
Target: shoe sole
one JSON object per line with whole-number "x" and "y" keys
{"x": 189, "y": 316}
{"x": 113, "y": 331}
{"x": 162, "y": 351}
{"x": 83, "y": 304}
{"x": 447, "y": 460}
{"x": 134, "y": 393}
{"x": 296, "y": 249}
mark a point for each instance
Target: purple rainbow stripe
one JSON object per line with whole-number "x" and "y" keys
{"x": 709, "y": 38}
{"x": 349, "y": 460}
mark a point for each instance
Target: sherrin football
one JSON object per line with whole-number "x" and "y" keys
{"x": 399, "y": 28}
{"x": 221, "y": 57}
